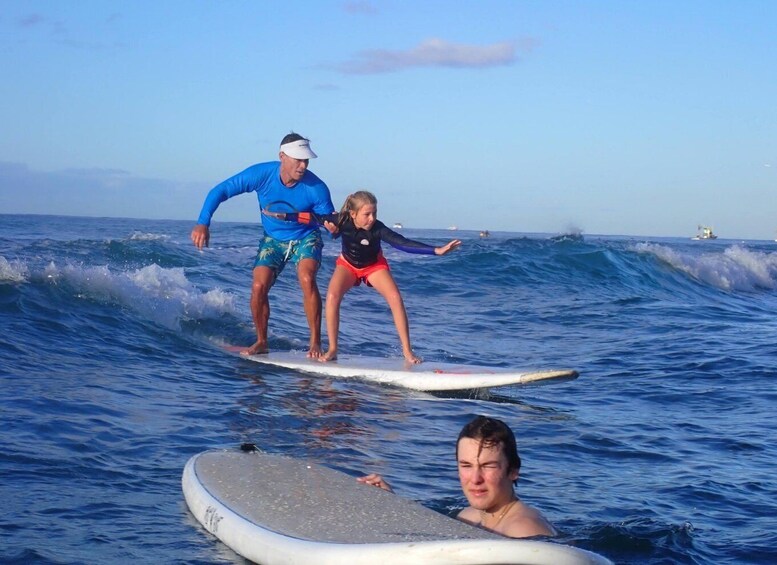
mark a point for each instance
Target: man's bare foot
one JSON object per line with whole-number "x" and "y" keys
{"x": 330, "y": 355}
{"x": 412, "y": 358}
{"x": 258, "y": 348}
{"x": 314, "y": 352}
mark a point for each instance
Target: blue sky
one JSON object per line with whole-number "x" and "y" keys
{"x": 631, "y": 118}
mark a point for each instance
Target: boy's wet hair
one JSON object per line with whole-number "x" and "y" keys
{"x": 491, "y": 432}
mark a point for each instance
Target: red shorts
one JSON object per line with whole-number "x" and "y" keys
{"x": 364, "y": 272}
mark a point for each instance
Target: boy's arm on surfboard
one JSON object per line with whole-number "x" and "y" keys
{"x": 375, "y": 480}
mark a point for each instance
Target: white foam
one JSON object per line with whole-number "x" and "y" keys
{"x": 12, "y": 271}
{"x": 140, "y": 236}
{"x": 737, "y": 268}
{"x": 162, "y": 294}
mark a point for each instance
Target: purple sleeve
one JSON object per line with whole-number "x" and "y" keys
{"x": 404, "y": 244}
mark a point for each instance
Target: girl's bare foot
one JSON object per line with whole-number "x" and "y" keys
{"x": 412, "y": 358}
{"x": 330, "y": 355}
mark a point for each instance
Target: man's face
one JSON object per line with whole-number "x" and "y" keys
{"x": 484, "y": 477}
{"x": 292, "y": 170}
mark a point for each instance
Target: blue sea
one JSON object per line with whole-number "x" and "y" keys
{"x": 112, "y": 374}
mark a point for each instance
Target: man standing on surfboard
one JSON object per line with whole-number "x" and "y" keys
{"x": 287, "y": 181}
{"x": 489, "y": 464}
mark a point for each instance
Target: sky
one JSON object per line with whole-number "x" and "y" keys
{"x": 606, "y": 117}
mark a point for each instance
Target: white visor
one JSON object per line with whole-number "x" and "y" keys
{"x": 299, "y": 149}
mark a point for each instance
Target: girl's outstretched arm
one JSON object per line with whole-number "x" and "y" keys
{"x": 402, "y": 243}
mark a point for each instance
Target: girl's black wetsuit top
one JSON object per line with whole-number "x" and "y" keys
{"x": 361, "y": 247}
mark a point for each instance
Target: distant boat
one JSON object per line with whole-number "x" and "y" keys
{"x": 705, "y": 232}
{"x": 484, "y": 233}
{"x": 453, "y": 228}
{"x": 397, "y": 226}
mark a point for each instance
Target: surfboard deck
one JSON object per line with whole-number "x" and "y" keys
{"x": 428, "y": 376}
{"x": 277, "y": 510}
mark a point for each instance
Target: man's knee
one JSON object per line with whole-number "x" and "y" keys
{"x": 309, "y": 287}
{"x": 307, "y": 278}
{"x": 262, "y": 283}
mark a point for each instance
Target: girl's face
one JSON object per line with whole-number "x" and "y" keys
{"x": 365, "y": 217}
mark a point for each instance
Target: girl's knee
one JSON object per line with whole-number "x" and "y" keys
{"x": 334, "y": 298}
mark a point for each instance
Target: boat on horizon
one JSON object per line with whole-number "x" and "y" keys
{"x": 705, "y": 232}
{"x": 397, "y": 226}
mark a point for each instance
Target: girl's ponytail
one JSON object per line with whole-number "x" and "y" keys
{"x": 355, "y": 201}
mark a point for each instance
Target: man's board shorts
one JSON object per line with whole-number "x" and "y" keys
{"x": 274, "y": 253}
{"x": 361, "y": 274}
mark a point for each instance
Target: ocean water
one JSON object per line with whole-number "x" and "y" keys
{"x": 112, "y": 375}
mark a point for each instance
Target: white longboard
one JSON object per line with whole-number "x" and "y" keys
{"x": 276, "y": 510}
{"x": 427, "y": 376}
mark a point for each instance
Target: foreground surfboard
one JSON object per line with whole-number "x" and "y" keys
{"x": 276, "y": 510}
{"x": 428, "y": 376}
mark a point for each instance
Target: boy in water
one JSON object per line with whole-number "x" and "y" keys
{"x": 489, "y": 466}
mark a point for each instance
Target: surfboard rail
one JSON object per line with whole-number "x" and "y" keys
{"x": 271, "y": 509}
{"x": 430, "y": 376}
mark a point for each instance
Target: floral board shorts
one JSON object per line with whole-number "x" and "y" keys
{"x": 274, "y": 253}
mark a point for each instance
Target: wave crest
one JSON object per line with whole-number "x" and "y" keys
{"x": 163, "y": 295}
{"x": 737, "y": 268}
{"x": 12, "y": 271}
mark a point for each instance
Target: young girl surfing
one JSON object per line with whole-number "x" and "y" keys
{"x": 362, "y": 260}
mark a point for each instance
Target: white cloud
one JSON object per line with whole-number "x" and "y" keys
{"x": 360, "y": 8}
{"x": 434, "y": 52}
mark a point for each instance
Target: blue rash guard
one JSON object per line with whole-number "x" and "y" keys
{"x": 309, "y": 194}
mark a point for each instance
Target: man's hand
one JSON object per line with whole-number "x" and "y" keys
{"x": 200, "y": 236}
